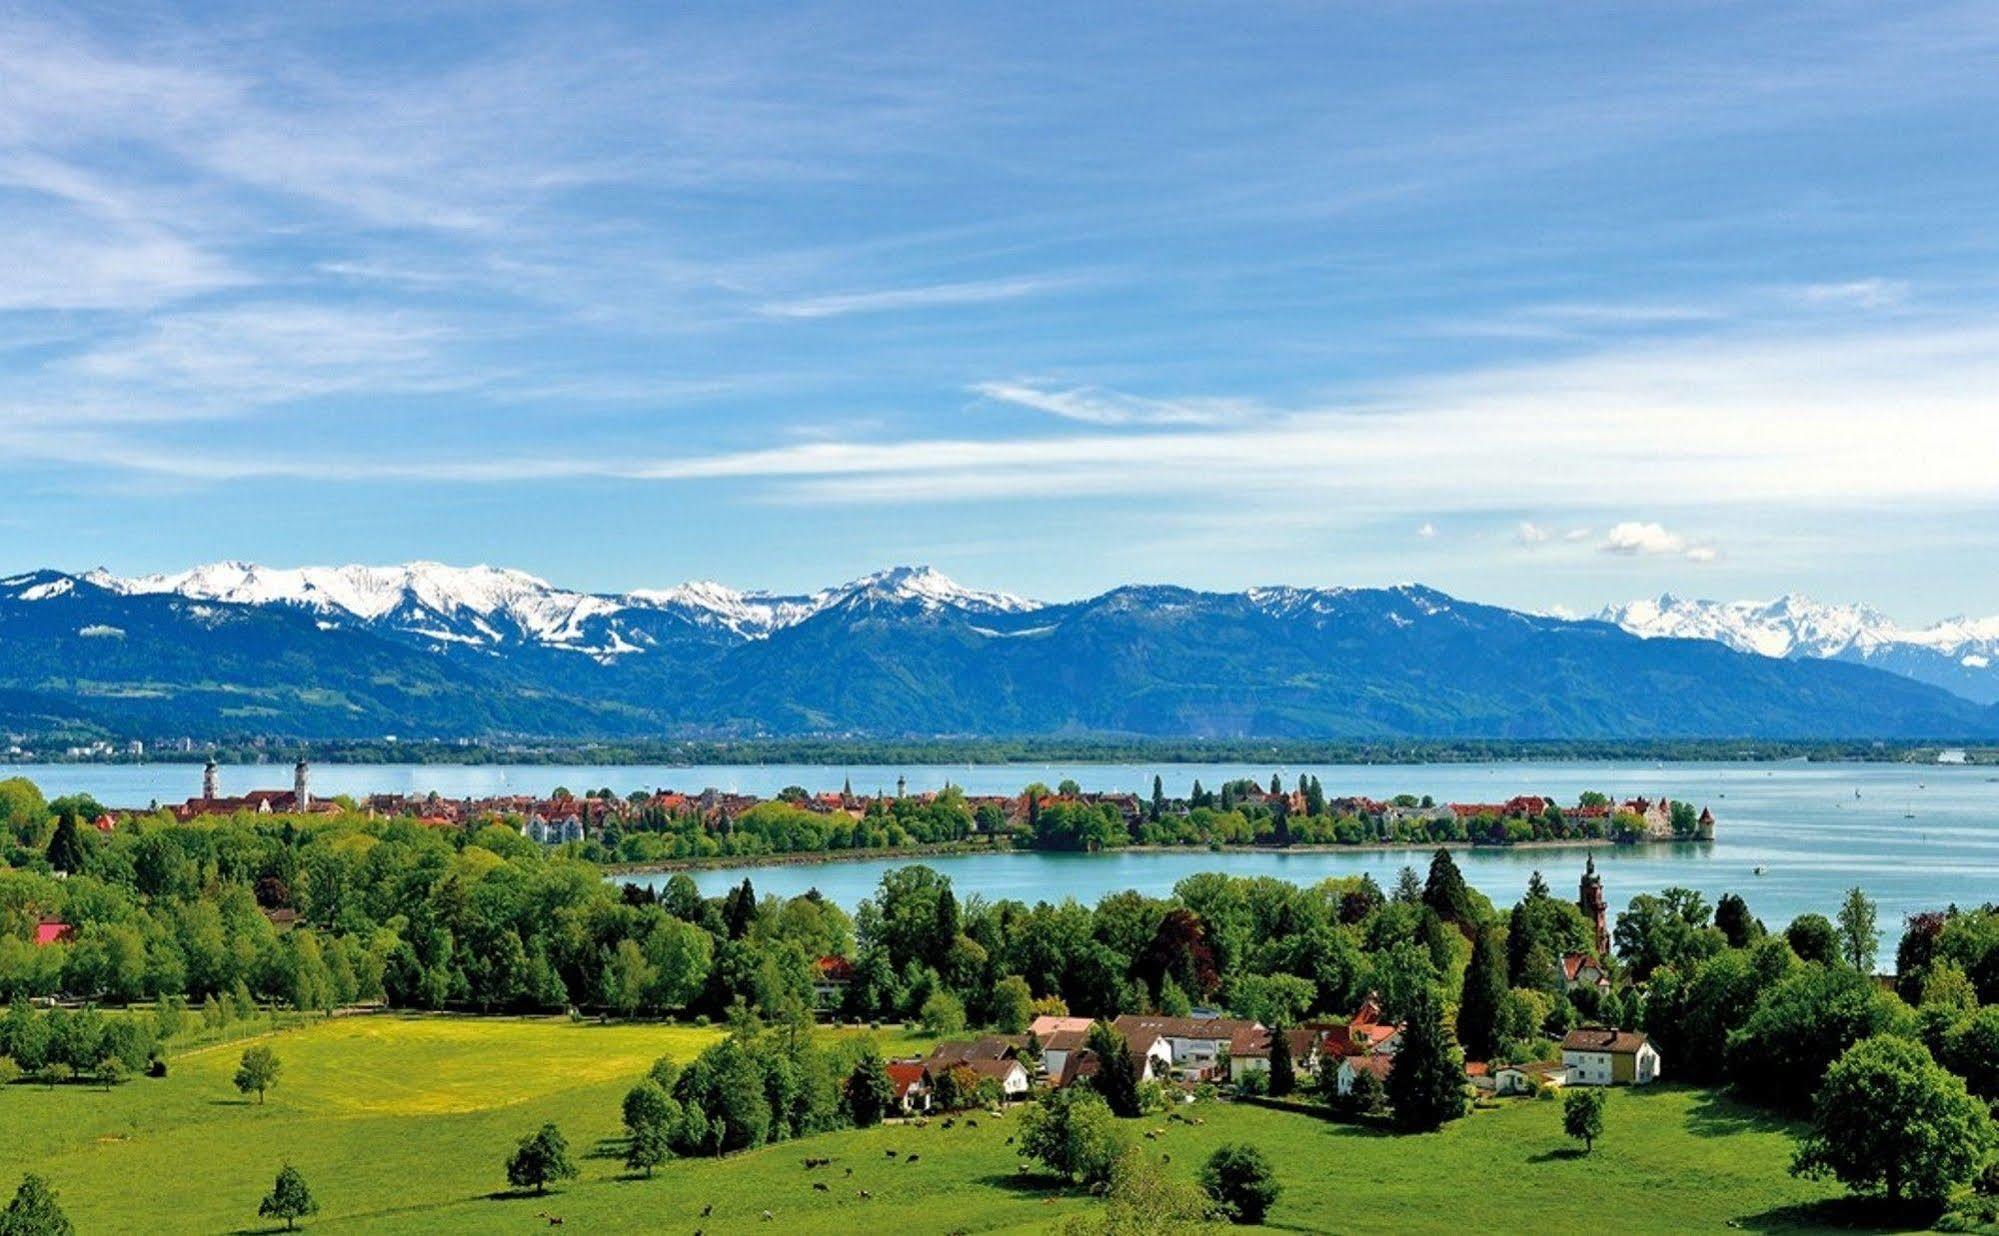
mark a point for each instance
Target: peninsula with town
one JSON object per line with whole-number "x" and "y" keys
{"x": 666, "y": 828}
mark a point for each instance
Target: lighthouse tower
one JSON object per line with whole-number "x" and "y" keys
{"x": 211, "y": 781}
{"x": 1594, "y": 907}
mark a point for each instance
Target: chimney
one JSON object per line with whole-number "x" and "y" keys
{"x": 301, "y": 796}
{"x": 211, "y": 781}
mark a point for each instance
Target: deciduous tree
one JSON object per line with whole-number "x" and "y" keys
{"x": 1582, "y": 1114}
{"x": 1890, "y": 1119}
{"x": 289, "y": 1199}
{"x": 258, "y": 1071}
{"x": 541, "y": 1157}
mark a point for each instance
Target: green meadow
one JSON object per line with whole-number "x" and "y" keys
{"x": 402, "y": 1124}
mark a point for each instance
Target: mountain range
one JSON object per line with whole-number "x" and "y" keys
{"x": 426, "y": 650}
{"x": 1961, "y": 655}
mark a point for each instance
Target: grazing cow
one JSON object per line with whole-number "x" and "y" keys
{"x": 912, "y": 1158}
{"x": 889, "y": 1153}
{"x": 948, "y": 1122}
{"x": 971, "y": 1123}
{"x": 707, "y": 1210}
{"x": 864, "y": 1195}
{"x": 768, "y": 1216}
{"x": 820, "y": 1186}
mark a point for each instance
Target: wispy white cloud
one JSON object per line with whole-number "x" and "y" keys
{"x": 933, "y": 296}
{"x": 1874, "y": 293}
{"x": 1427, "y": 530}
{"x": 1530, "y": 534}
{"x": 1097, "y": 406}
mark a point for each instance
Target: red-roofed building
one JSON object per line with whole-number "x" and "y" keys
{"x": 906, "y": 1082}
{"x": 104, "y": 823}
{"x": 50, "y": 931}
{"x": 1353, "y": 1066}
{"x": 830, "y": 977}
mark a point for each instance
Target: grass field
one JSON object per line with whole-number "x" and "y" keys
{"x": 401, "y": 1124}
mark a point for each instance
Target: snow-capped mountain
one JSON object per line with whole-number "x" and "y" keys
{"x": 1958, "y": 654}
{"x": 477, "y": 607}
{"x": 491, "y": 608}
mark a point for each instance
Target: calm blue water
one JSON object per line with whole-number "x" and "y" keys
{"x": 1800, "y": 821}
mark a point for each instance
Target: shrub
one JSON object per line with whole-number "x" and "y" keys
{"x": 1239, "y": 1178}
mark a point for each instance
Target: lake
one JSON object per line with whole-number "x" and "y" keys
{"x": 1915, "y": 837}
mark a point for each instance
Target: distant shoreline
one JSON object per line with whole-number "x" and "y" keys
{"x": 1024, "y": 753}
{"x": 816, "y": 858}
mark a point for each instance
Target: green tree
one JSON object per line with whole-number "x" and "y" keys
{"x": 1116, "y": 1078}
{"x": 1445, "y": 891}
{"x": 1013, "y": 1005}
{"x": 1426, "y": 1087}
{"x": 1972, "y": 1052}
{"x": 1889, "y": 1118}
{"x": 646, "y": 1148}
{"x": 34, "y": 1212}
{"x": 258, "y": 1071}
{"x": 1800, "y": 1025}
{"x": 1483, "y": 999}
{"x": 65, "y": 851}
{"x": 1737, "y": 925}
{"x": 870, "y": 1093}
{"x": 1283, "y": 1070}
{"x": 647, "y": 1106}
{"x": 1812, "y": 938}
{"x": 1858, "y": 938}
{"x": 540, "y": 1157}
{"x": 1144, "y": 1199}
{"x": 1073, "y": 1134}
{"x": 1582, "y": 1115}
{"x": 289, "y": 1199}
{"x": 943, "y": 1013}
{"x": 1240, "y": 1180}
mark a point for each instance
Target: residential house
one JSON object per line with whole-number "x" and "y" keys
{"x": 1010, "y": 1073}
{"x": 50, "y": 931}
{"x": 908, "y": 1081}
{"x": 1583, "y": 970}
{"x": 989, "y": 1047}
{"x": 1193, "y": 1045}
{"x": 1058, "y": 1045}
{"x": 1353, "y": 1066}
{"x": 1365, "y": 1034}
{"x": 1597, "y": 1056}
{"x": 1249, "y": 1051}
{"x": 1528, "y": 1078}
{"x": 831, "y": 977}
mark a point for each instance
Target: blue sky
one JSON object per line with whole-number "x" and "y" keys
{"x": 1543, "y": 305}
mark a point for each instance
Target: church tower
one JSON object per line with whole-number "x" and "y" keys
{"x": 211, "y": 781}
{"x": 301, "y": 796}
{"x": 1594, "y": 907}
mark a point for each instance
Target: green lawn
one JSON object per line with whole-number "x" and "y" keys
{"x": 401, "y": 1124}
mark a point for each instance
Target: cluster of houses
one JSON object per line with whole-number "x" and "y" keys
{"x": 1188, "y": 1051}
{"x": 1207, "y": 1047}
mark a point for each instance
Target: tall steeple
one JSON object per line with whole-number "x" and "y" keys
{"x": 1594, "y": 906}
{"x": 211, "y": 781}
{"x": 301, "y": 796}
